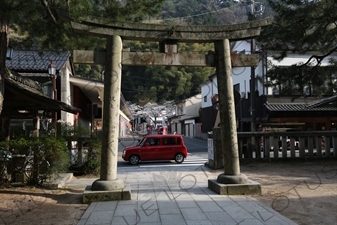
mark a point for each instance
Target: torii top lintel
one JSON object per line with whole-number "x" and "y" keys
{"x": 156, "y": 32}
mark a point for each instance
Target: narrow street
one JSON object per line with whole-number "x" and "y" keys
{"x": 197, "y": 154}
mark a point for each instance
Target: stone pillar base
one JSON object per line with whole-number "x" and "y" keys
{"x": 90, "y": 195}
{"x": 232, "y": 179}
{"x": 251, "y": 187}
{"x": 107, "y": 185}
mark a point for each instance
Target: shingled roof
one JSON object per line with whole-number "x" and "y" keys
{"x": 32, "y": 91}
{"x": 35, "y": 61}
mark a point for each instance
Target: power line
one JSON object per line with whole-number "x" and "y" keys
{"x": 201, "y": 14}
{"x": 196, "y": 15}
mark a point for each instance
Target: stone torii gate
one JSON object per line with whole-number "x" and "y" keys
{"x": 168, "y": 37}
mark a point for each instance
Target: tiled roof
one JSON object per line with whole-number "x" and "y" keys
{"x": 324, "y": 101}
{"x": 24, "y": 82}
{"x": 36, "y": 61}
{"x": 293, "y": 107}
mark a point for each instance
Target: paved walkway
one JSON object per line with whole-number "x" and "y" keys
{"x": 176, "y": 196}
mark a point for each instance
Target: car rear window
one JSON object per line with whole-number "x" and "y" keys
{"x": 171, "y": 141}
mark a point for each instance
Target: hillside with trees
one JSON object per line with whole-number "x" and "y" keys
{"x": 35, "y": 24}
{"x": 157, "y": 84}
{"x": 42, "y": 29}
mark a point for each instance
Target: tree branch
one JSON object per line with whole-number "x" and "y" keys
{"x": 319, "y": 58}
{"x": 47, "y": 8}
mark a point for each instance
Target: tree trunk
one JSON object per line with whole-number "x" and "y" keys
{"x": 3, "y": 50}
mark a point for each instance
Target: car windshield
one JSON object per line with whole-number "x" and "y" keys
{"x": 141, "y": 142}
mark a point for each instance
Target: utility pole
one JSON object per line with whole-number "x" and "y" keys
{"x": 250, "y": 3}
{"x": 255, "y": 9}
{"x": 252, "y": 91}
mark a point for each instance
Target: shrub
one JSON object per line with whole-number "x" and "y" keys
{"x": 52, "y": 152}
{"x": 17, "y": 146}
{"x": 93, "y": 164}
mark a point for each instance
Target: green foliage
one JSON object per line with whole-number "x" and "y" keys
{"x": 69, "y": 132}
{"x": 92, "y": 72}
{"x": 93, "y": 164}
{"x": 49, "y": 149}
{"x": 303, "y": 27}
{"x": 44, "y": 28}
{"x": 141, "y": 46}
{"x": 37, "y": 22}
{"x": 160, "y": 83}
{"x": 19, "y": 145}
{"x": 54, "y": 151}
{"x": 203, "y": 12}
{"x": 294, "y": 79}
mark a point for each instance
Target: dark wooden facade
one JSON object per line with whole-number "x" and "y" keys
{"x": 281, "y": 113}
{"x": 314, "y": 114}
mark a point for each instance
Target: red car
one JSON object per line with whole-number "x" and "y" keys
{"x": 157, "y": 147}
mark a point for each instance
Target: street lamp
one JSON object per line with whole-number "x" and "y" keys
{"x": 9, "y": 53}
{"x": 52, "y": 73}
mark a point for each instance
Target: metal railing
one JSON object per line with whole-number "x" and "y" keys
{"x": 300, "y": 144}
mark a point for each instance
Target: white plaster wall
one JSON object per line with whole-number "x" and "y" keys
{"x": 241, "y": 75}
{"x": 292, "y": 59}
{"x": 193, "y": 105}
{"x": 208, "y": 89}
{"x": 173, "y": 127}
{"x": 297, "y": 59}
{"x": 66, "y": 96}
{"x": 123, "y": 122}
{"x": 179, "y": 128}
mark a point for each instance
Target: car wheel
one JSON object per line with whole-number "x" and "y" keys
{"x": 134, "y": 159}
{"x": 179, "y": 158}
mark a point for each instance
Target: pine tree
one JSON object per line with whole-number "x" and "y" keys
{"x": 303, "y": 26}
{"x": 37, "y": 23}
